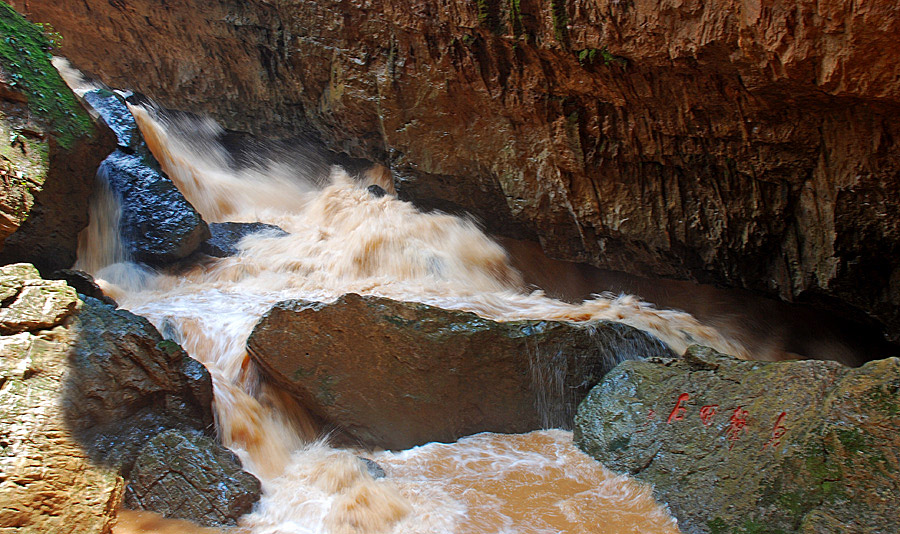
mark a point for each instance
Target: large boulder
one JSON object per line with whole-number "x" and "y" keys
{"x": 158, "y": 225}
{"x": 755, "y": 144}
{"x": 49, "y": 152}
{"x": 188, "y": 475}
{"x": 398, "y": 374}
{"x": 126, "y": 384}
{"x": 736, "y": 446}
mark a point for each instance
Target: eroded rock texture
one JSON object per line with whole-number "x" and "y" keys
{"x": 48, "y": 483}
{"x": 188, "y": 475}
{"x": 753, "y": 144}
{"x": 398, "y": 374}
{"x": 49, "y": 151}
{"x": 83, "y": 389}
{"x": 737, "y": 446}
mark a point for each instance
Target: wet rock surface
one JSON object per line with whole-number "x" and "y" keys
{"x": 737, "y": 446}
{"x": 126, "y": 384}
{"x": 225, "y": 237}
{"x": 85, "y": 284}
{"x": 398, "y": 374}
{"x": 187, "y": 475}
{"x": 114, "y": 112}
{"x": 49, "y": 152}
{"x": 748, "y": 144}
{"x": 158, "y": 224}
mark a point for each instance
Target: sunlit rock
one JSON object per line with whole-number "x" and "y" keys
{"x": 397, "y": 374}
{"x": 734, "y": 445}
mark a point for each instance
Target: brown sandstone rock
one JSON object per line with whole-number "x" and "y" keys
{"x": 398, "y": 374}
{"x": 48, "y": 483}
{"x": 753, "y": 144}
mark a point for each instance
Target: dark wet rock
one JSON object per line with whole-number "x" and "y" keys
{"x": 158, "y": 225}
{"x": 156, "y": 385}
{"x": 225, "y": 237}
{"x": 376, "y": 191}
{"x": 372, "y": 467}
{"x": 49, "y": 152}
{"x": 114, "y": 112}
{"x": 30, "y": 303}
{"x": 48, "y": 483}
{"x": 186, "y": 475}
{"x": 398, "y": 374}
{"x": 738, "y": 446}
{"x": 84, "y": 284}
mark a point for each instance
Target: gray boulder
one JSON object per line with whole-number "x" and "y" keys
{"x": 224, "y": 237}
{"x": 187, "y": 475}
{"x": 739, "y": 446}
{"x": 158, "y": 224}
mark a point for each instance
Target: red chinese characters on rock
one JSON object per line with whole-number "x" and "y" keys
{"x": 707, "y": 412}
{"x": 678, "y": 412}
{"x": 736, "y": 425}
{"x": 778, "y": 432}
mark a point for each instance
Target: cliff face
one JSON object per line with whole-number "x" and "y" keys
{"x": 751, "y": 143}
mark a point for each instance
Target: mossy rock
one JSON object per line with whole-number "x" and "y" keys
{"x": 736, "y": 446}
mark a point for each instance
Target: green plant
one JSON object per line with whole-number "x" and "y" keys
{"x": 589, "y": 56}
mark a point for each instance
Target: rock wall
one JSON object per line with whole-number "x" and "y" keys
{"x": 748, "y": 143}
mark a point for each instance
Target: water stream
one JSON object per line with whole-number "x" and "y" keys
{"x": 343, "y": 239}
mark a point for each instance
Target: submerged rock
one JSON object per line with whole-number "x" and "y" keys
{"x": 225, "y": 236}
{"x": 398, "y": 374}
{"x": 738, "y": 446}
{"x": 49, "y": 151}
{"x": 186, "y": 475}
{"x": 158, "y": 224}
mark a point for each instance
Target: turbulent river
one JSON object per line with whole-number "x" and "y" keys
{"x": 344, "y": 239}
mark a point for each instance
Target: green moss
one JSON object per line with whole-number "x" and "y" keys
{"x": 25, "y": 58}
{"x": 515, "y": 17}
{"x": 169, "y": 347}
{"x": 560, "y": 20}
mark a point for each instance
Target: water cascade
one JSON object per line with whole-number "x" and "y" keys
{"x": 344, "y": 239}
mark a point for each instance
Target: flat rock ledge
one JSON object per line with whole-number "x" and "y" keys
{"x": 736, "y": 446}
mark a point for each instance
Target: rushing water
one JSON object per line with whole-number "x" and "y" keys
{"x": 343, "y": 239}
